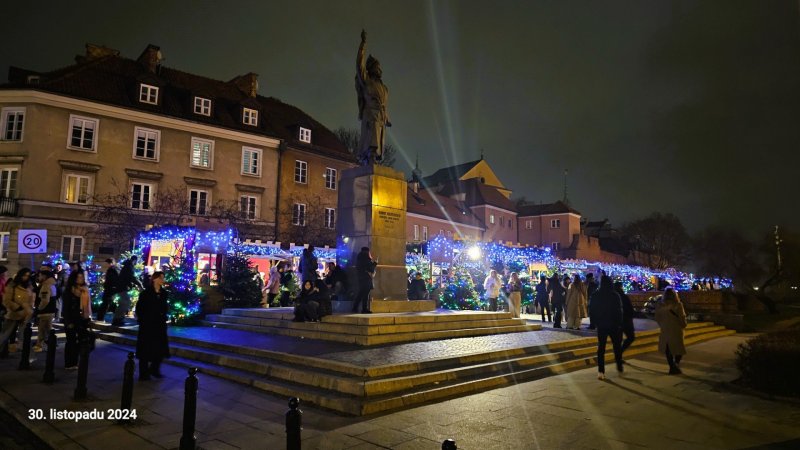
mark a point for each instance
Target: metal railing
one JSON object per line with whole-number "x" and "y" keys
{"x": 9, "y": 206}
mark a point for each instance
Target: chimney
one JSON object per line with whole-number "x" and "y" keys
{"x": 247, "y": 83}
{"x": 150, "y": 58}
{"x": 99, "y": 51}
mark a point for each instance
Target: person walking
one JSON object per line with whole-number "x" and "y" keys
{"x": 18, "y": 302}
{"x": 576, "y": 303}
{"x": 671, "y": 318}
{"x": 591, "y": 288}
{"x": 514, "y": 288}
{"x": 606, "y": 309}
{"x": 273, "y": 286}
{"x": 287, "y": 280}
{"x": 308, "y": 265}
{"x": 365, "y": 271}
{"x": 542, "y": 298}
{"x": 45, "y": 305}
{"x": 127, "y": 281}
{"x": 627, "y": 316}
{"x": 61, "y": 279}
{"x": 110, "y": 287}
{"x": 557, "y": 298}
{"x": 491, "y": 287}
{"x": 77, "y": 315}
{"x": 152, "y": 343}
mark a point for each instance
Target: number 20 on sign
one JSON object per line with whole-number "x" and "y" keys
{"x": 32, "y": 241}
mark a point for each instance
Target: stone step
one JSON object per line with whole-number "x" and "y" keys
{"x": 372, "y": 319}
{"x": 379, "y": 339}
{"x": 363, "y": 329}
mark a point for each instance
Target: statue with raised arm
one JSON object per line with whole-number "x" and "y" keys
{"x": 372, "y": 98}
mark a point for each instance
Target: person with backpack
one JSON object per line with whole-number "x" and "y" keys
{"x": 45, "y": 305}
{"x": 127, "y": 281}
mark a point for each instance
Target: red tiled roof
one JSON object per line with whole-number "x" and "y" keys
{"x": 449, "y": 174}
{"x": 558, "y": 207}
{"x": 477, "y": 194}
{"x": 427, "y": 203}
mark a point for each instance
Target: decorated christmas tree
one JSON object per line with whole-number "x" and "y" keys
{"x": 184, "y": 296}
{"x": 459, "y": 292}
{"x": 238, "y": 284}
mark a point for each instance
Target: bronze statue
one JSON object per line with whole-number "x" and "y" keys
{"x": 372, "y": 98}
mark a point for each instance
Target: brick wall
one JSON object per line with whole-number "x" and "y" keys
{"x": 705, "y": 302}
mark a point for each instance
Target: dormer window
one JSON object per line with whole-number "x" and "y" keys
{"x": 250, "y": 117}
{"x": 148, "y": 94}
{"x": 202, "y": 106}
{"x": 34, "y": 79}
{"x": 305, "y": 135}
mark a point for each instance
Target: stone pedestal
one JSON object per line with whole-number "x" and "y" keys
{"x": 372, "y": 213}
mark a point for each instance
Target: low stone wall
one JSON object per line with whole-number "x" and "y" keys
{"x": 705, "y": 302}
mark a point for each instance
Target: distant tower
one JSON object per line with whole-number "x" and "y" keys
{"x": 416, "y": 176}
{"x": 566, "y": 199}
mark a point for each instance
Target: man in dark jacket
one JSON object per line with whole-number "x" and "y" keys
{"x": 591, "y": 288}
{"x": 110, "y": 286}
{"x": 127, "y": 281}
{"x": 365, "y": 270}
{"x": 606, "y": 310}
{"x": 152, "y": 343}
{"x": 627, "y": 316}
{"x": 336, "y": 280}
{"x": 417, "y": 290}
{"x": 558, "y": 296}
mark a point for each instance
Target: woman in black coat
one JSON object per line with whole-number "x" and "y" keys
{"x": 306, "y": 305}
{"x": 152, "y": 344}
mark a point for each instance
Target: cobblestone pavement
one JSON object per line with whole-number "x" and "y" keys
{"x": 645, "y": 408}
{"x": 391, "y": 354}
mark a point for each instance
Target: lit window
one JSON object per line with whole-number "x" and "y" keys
{"x": 416, "y": 232}
{"x": 4, "y": 239}
{"x": 424, "y": 233}
{"x": 555, "y": 223}
{"x": 300, "y": 171}
{"x": 299, "y": 214}
{"x": 77, "y": 189}
{"x": 72, "y": 248}
{"x": 202, "y": 106}
{"x": 491, "y": 219}
{"x": 13, "y": 121}
{"x": 528, "y": 224}
{"x": 198, "y": 201}
{"x": 202, "y": 153}
{"x": 250, "y": 116}
{"x": 251, "y": 161}
{"x": 141, "y": 196}
{"x": 330, "y": 218}
{"x": 148, "y": 94}
{"x": 330, "y": 178}
{"x": 8, "y": 183}
{"x": 248, "y": 207}
{"x": 146, "y": 144}
{"x": 83, "y": 133}
{"x": 305, "y": 135}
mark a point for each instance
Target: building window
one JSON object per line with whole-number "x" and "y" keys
{"x": 8, "y": 183}
{"x": 148, "y": 94}
{"x": 330, "y": 218}
{"x": 416, "y": 232}
{"x": 72, "y": 248}
{"x": 5, "y": 237}
{"x": 491, "y": 219}
{"x": 299, "y": 214}
{"x": 77, "y": 189}
{"x": 198, "y": 201}
{"x": 305, "y": 135}
{"x": 528, "y": 224}
{"x": 202, "y": 153}
{"x": 424, "y": 232}
{"x": 83, "y": 133}
{"x": 441, "y": 232}
{"x": 449, "y": 234}
{"x": 300, "y": 171}
{"x": 556, "y": 246}
{"x": 248, "y": 207}
{"x": 555, "y": 223}
{"x": 330, "y": 178}
{"x": 509, "y": 224}
{"x": 502, "y": 222}
{"x": 141, "y": 195}
{"x": 146, "y": 144}
{"x": 250, "y": 116}
{"x": 251, "y": 161}
{"x": 13, "y": 122}
{"x": 202, "y": 106}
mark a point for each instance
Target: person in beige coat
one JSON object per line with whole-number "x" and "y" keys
{"x": 671, "y": 318}
{"x": 18, "y": 301}
{"x": 576, "y": 303}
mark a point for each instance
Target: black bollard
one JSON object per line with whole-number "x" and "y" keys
{"x": 294, "y": 424}
{"x": 49, "y": 368}
{"x": 127, "y": 385}
{"x": 25, "y": 360}
{"x": 188, "y": 439}
{"x": 449, "y": 444}
{"x": 83, "y": 369}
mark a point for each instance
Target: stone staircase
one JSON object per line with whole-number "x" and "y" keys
{"x": 360, "y": 390}
{"x": 372, "y": 329}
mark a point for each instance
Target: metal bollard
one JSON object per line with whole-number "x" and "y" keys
{"x": 127, "y": 385}
{"x": 25, "y": 360}
{"x": 49, "y": 368}
{"x": 294, "y": 424}
{"x": 83, "y": 370}
{"x": 449, "y": 444}
{"x": 188, "y": 439}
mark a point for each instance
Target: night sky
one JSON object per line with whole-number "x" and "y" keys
{"x": 677, "y": 107}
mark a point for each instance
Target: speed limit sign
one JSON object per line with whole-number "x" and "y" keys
{"x": 32, "y": 241}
